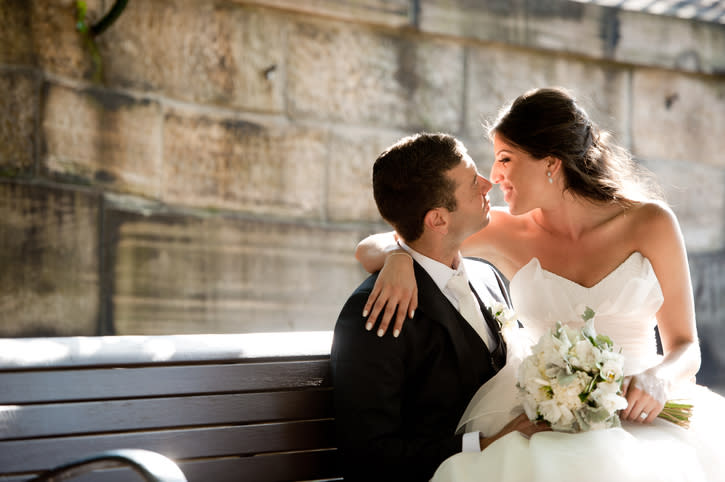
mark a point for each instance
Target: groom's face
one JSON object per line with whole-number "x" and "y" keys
{"x": 472, "y": 211}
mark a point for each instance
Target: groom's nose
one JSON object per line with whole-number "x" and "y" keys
{"x": 485, "y": 185}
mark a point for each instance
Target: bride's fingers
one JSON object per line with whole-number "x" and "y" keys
{"x": 635, "y": 404}
{"x": 400, "y": 317}
{"x": 369, "y": 307}
{"x": 625, "y": 385}
{"x": 380, "y": 307}
{"x": 391, "y": 307}
{"x": 414, "y": 302}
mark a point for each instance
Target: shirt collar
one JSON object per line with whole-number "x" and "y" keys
{"x": 439, "y": 272}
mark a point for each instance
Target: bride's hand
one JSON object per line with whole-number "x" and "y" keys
{"x": 394, "y": 288}
{"x": 646, "y": 395}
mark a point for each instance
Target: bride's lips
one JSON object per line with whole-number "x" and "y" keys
{"x": 506, "y": 190}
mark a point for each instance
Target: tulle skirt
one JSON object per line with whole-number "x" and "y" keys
{"x": 661, "y": 451}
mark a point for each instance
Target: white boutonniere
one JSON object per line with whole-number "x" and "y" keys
{"x": 505, "y": 317}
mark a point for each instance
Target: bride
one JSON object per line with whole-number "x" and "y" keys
{"x": 583, "y": 229}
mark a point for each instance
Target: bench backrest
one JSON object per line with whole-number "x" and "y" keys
{"x": 224, "y": 407}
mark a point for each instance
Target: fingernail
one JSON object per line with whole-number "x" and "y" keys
{"x": 381, "y": 332}
{"x": 412, "y": 313}
{"x": 365, "y": 313}
{"x": 396, "y": 332}
{"x": 368, "y": 326}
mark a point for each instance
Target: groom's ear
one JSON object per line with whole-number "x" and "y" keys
{"x": 436, "y": 220}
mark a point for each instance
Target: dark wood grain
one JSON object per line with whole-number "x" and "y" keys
{"x": 149, "y": 381}
{"x": 178, "y": 444}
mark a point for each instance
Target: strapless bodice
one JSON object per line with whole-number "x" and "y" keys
{"x": 625, "y": 303}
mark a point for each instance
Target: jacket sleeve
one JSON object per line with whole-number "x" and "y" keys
{"x": 369, "y": 375}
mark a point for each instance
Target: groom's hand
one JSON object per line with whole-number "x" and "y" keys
{"x": 520, "y": 424}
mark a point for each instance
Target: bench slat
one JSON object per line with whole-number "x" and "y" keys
{"x": 142, "y": 414}
{"x": 46, "y": 453}
{"x": 110, "y": 383}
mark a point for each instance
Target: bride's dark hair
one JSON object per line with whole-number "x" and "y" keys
{"x": 548, "y": 122}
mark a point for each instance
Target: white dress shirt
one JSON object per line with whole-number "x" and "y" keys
{"x": 440, "y": 274}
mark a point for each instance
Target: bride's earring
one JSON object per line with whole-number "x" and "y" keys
{"x": 548, "y": 174}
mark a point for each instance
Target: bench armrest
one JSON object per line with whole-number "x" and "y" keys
{"x": 152, "y": 466}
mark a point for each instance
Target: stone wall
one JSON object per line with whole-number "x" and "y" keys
{"x": 218, "y": 178}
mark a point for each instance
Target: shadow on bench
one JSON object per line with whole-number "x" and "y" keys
{"x": 223, "y": 407}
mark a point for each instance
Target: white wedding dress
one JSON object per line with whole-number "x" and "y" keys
{"x": 625, "y": 303}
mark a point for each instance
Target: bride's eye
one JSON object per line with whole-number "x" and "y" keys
{"x": 504, "y": 160}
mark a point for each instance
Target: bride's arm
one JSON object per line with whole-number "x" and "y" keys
{"x": 372, "y": 251}
{"x": 664, "y": 246}
{"x": 395, "y": 293}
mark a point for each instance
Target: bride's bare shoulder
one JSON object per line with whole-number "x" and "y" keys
{"x": 652, "y": 213}
{"x": 653, "y": 219}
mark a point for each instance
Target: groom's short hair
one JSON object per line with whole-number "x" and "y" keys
{"x": 410, "y": 178}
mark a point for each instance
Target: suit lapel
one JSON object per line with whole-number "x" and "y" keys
{"x": 498, "y": 356}
{"x": 433, "y": 303}
{"x": 486, "y": 297}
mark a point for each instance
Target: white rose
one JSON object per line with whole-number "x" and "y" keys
{"x": 550, "y": 410}
{"x": 567, "y": 394}
{"x": 606, "y": 395}
{"x": 585, "y": 356}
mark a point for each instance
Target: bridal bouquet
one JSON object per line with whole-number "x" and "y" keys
{"x": 573, "y": 379}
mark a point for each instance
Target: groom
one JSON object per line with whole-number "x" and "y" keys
{"x": 398, "y": 400}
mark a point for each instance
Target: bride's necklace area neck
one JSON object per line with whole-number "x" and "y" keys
{"x": 575, "y": 218}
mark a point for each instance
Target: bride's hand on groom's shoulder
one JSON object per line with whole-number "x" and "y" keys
{"x": 520, "y": 424}
{"x": 394, "y": 295}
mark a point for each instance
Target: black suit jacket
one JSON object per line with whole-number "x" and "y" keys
{"x": 398, "y": 400}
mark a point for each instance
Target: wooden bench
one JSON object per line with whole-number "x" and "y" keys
{"x": 223, "y": 407}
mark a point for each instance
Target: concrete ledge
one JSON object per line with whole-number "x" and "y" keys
{"x": 31, "y": 353}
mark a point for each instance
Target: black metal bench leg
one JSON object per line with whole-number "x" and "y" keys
{"x": 152, "y": 466}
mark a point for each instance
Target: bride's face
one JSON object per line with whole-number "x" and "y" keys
{"x": 521, "y": 177}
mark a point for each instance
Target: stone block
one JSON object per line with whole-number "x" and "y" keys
{"x": 496, "y": 76}
{"x": 204, "y": 52}
{"x": 697, "y": 198}
{"x": 58, "y": 46}
{"x": 350, "y": 192}
{"x": 670, "y": 42}
{"x": 49, "y": 283}
{"x": 184, "y": 274}
{"x": 357, "y": 75}
{"x": 102, "y": 137}
{"x": 248, "y": 165}
{"x": 18, "y": 118}
{"x": 678, "y": 117}
{"x": 583, "y": 29}
{"x": 16, "y": 40}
